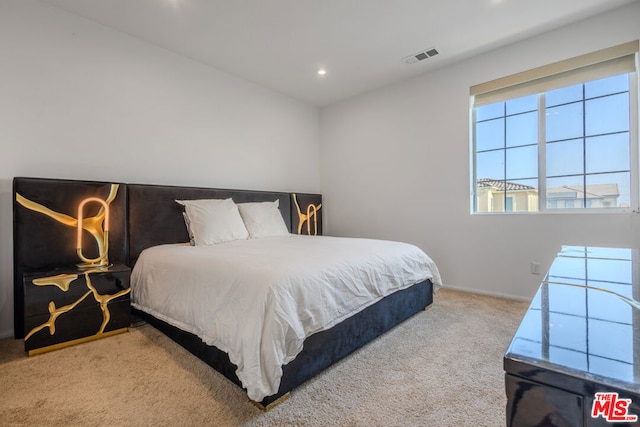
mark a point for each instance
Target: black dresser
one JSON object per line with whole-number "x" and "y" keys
{"x": 575, "y": 359}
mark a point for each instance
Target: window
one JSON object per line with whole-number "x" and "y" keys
{"x": 558, "y": 141}
{"x": 509, "y": 204}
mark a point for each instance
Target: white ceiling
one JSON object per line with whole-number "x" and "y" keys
{"x": 280, "y": 44}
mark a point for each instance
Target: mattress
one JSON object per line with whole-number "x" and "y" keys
{"x": 258, "y": 299}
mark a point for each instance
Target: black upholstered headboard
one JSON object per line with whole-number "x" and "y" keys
{"x": 154, "y": 218}
{"x": 141, "y": 216}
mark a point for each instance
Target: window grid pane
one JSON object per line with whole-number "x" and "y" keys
{"x": 587, "y": 149}
{"x": 506, "y": 165}
{"x": 602, "y": 119}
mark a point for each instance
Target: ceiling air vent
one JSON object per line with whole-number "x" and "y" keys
{"x": 416, "y": 57}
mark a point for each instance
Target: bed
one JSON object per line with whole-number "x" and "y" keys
{"x": 320, "y": 348}
{"x": 152, "y": 221}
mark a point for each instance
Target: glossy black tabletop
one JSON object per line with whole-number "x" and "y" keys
{"x": 584, "y": 321}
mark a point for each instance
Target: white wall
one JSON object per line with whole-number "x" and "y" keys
{"x": 81, "y": 101}
{"x": 395, "y": 165}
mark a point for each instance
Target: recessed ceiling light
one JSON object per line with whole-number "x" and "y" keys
{"x": 322, "y": 72}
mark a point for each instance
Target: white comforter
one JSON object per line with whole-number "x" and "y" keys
{"x": 258, "y": 299}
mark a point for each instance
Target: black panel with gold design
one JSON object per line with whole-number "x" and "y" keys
{"x": 45, "y": 229}
{"x": 67, "y": 305}
{"x": 306, "y": 214}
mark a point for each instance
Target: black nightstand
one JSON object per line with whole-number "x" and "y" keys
{"x": 68, "y": 306}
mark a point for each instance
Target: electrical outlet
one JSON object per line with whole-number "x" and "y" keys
{"x": 535, "y": 268}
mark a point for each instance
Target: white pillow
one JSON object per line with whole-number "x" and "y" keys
{"x": 188, "y": 225}
{"x": 263, "y": 219}
{"x": 214, "y": 221}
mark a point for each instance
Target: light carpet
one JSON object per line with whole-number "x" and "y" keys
{"x": 442, "y": 367}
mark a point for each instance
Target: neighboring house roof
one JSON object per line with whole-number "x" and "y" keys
{"x": 594, "y": 191}
{"x": 502, "y": 185}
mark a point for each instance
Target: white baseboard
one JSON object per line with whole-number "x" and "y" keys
{"x": 487, "y": 293}
{"x": 6, "y": 334}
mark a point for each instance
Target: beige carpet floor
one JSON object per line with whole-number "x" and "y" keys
{"x": 442, "y": 367}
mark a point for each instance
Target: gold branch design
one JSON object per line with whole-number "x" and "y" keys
{"x": 53, "y": 316}
{"x": 311, "y": 214}
{"x": 94, "y": 225}
{"x": 103, "y": 300}
{"x": 63, "y": 281}
{"x": 37, "y": 207}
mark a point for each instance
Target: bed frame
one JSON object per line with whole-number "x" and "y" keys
{"x": 148, "y": 215}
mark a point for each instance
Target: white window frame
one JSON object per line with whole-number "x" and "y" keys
{"x": 619, "y": 59}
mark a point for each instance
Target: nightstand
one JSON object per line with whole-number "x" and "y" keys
{"x": 68, "y": 306}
